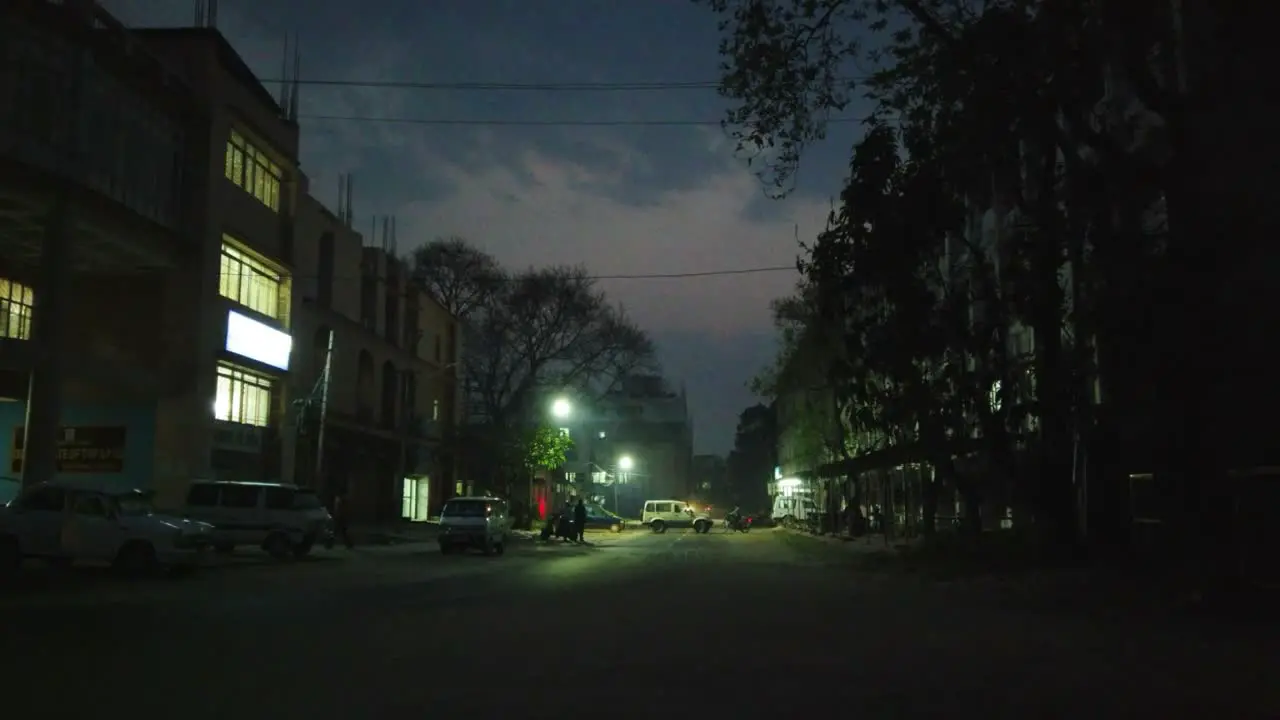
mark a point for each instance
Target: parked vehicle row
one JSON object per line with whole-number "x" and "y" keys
{"x": 65, "y": 523}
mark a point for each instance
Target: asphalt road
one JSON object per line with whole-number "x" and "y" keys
{"x": 635, "y": 625}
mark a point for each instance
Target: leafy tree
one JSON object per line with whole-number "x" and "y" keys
{"x": 544, "y": 448}
{"x": 754, "y": 456}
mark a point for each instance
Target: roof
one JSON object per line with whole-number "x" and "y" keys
{"x": 228, "y": 58}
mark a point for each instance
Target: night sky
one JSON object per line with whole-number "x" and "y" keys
{"x": 622, "y": 199}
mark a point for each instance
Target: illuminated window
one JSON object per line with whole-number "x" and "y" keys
{"x": 16, "y": 304}
{"x": 243, "y": 397}
{"x": 249, "y": 281}
{"x": 250, "y": 168}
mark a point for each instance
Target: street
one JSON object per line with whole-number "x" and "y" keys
{"x": 634, "y": 625}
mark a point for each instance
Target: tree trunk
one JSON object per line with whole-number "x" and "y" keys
{"x": 929, "y": 503}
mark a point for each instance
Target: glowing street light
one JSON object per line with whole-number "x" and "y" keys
{"x": 561, "y": 408}
{"x": 626, "y": 463}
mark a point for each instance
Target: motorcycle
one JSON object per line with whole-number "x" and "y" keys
{"x": 740, "y": 523}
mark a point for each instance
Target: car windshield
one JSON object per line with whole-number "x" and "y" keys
{"x": 134, "y": 504}
{"x": 465, "y": 508}
{"x": 306, "y": 500}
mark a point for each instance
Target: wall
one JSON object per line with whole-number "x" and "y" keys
{"x": 138, "y": 420}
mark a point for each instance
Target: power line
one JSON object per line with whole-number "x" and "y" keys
{"x": 472, "y": 122}
{"x": 635, "y": 276}
{"x": 517, "y": 87}
{"x": 503, "y": 87}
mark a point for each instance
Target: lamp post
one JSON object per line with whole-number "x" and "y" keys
{"x": 625, "y": 463}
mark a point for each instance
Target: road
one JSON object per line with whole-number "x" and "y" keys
{"x": 635, "y": 625}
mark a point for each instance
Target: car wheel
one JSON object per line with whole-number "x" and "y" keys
{"x": 10, "y": 556}
{"x": 137, "y": 558}
{"x": 278, "y": 546}
{"x": 499, "y": 548}
{"x": 658, "y": 526}
{"x": 445, "y": 549}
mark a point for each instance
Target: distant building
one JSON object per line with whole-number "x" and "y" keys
{"x": 644, "y": 421}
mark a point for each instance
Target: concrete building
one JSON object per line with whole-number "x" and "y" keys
{"x": 388, "y": 405}
{"x": 148, "y": 184}
{"x": 147, "y": 209}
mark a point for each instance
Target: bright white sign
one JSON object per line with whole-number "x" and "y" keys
{"x": 258, "y": 341}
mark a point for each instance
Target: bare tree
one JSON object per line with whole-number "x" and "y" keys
{"x": 458, "y": 275}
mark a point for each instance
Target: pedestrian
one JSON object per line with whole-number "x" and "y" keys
{"x": 342, "y": 521}
{"x": 580, "y": 522}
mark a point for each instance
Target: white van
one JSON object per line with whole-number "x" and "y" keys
{"x": 280, "y": 519}
{"x": 474, "y": 522}
{"x": 662, "y": 514}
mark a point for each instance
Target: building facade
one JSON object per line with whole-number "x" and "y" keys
{"x": 145, "y": 295}
{"x": 375, "y": 373}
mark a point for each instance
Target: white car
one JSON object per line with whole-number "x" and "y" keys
{"x": 660, "y": 515}
{"x": 64, "y": 524}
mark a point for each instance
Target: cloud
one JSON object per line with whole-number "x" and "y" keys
{"x": 550, "y": 210}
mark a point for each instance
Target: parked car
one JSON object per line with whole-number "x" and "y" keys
{"x": 600, "y": 519}
{"x": 65, "y": 524}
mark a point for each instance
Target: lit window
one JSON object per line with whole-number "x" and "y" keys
{"x": 249, "y": 281}
{"x": 250, "y": 169}
{"x": 243, "y": 397}
{"x": 16, "y": 304}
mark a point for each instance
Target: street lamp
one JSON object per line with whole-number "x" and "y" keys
{"x": 626, "y": 463}
{"x": 561, "y": 408}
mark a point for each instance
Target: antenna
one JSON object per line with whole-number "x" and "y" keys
{"x": 284, "y": 75}
{"x": 393, "y": 234}
{"x": 297, "y": 76}
{"x": 351, "y": 213}
{"x": 200, "y": 12}
{"x": 386, "y": 226}
{"x": 213, "y": 13}
{"x": 373, "y": 234}
{"x": 342, "y": 197}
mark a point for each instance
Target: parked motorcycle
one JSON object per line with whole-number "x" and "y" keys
{"x": 739, "y": 523}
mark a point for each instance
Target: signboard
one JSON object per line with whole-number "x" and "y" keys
{"x": 80, "y": 449}
{"x": 255, "y": 340}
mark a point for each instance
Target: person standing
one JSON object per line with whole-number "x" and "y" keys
{"x": 342, "y": 521}
{"x": 580, "y": 522}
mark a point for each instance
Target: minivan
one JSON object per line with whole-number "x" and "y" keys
{"x": 281, "y": 519}
{"x": 474, "y": 522}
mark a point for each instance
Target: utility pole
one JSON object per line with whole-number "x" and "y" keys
{"x": 324, "y": 410}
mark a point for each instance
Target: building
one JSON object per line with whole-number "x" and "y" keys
{"x": 145, "y": 300}
{"x": 710, "y": 479}
{"x": 377, "y": 427}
